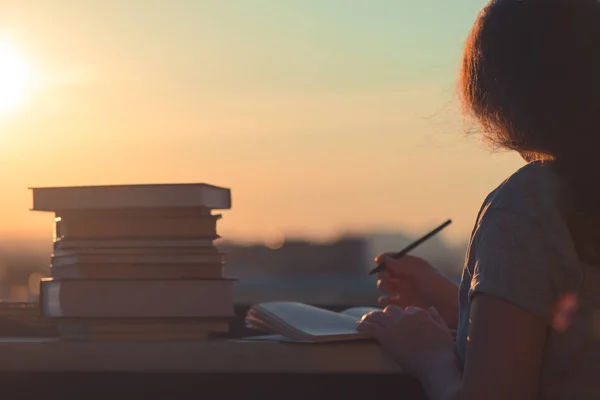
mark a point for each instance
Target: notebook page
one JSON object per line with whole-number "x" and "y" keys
{"x": 359, "y": 312}
{"x": 273, "y": 338}
{"x": 316, "y": 340}
{"x": 307, "y": 319}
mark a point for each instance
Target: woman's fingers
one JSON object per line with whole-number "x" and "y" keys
{"x": 394, "y": 311}
{"x": 378, "y": 318}
{"x": 405, "y": 266}
{"x": 436, "y": 316}
{"x": 401, "y": 287}
{"x": 389, "y": 285}
{"x": 384, "y": 274}
{"x": 397, "y": 300}
{"x": 380, "y": 257}
{"x": 370, "y": 329}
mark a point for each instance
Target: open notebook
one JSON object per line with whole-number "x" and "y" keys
{"x": 298, "y": 322}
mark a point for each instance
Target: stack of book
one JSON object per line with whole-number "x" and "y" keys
{"x": 136, "y": 261}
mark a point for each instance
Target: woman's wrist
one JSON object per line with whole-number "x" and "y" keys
{"x": 441, "y": 376}
{"x": 449, "y": 312}
{"x": 443, "y": 358}
{"x": 447, "y": 300}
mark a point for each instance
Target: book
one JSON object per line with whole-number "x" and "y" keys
{"x": 298, "y": 322}
{"x": 136, "y": 262}
{"x": 67, "y": 333}
{"x": 184, "y": 195}
{"x": 150, "y": 298}
{"x": 165, "y": 251}
{"x": 141, "y": 328}
{"x": 144, "y": 258}
{"x": 112, "y": 243}
{"x": 122, "y": 325}
{"x": 137, "y": 271}
{"x": 145, "y": 212}
{"x": 123, "y": 227}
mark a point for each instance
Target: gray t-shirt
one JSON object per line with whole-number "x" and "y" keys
{"x": 521, "y": 251}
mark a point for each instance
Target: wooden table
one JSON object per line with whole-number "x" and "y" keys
{"x": 216, "y": 369}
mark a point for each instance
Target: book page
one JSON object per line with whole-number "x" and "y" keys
{"x": 359, "y": 312}
{"x": 305, "y": 319}
{"x": 273, "y": 338}
{"x": 314, "y": 340}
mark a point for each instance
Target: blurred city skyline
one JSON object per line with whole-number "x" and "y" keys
{"x": 300, "y": 270}
{"x": 323, "y": 117}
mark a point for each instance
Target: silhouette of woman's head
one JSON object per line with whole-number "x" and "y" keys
{"x": 531, "y": 75}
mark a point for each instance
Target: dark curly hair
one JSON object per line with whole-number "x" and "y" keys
{"x": 531, "y": 75}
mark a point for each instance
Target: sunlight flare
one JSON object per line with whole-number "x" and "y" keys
{"x": 15, "y": 78}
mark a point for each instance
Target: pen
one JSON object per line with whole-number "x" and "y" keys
{"x": 412, "y": 245}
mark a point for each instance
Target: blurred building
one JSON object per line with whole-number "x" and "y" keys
{"x": 346, "y": 256}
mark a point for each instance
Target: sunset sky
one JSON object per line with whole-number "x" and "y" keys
{"x": 322, "y": 116}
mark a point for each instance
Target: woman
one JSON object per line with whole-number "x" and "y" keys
{"x": 527, "y": 311}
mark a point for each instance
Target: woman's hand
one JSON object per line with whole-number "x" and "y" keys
{"x": 412, "y": 281}
{"x": 417, "y": 339}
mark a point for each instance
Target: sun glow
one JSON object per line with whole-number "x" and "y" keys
{"x": 15, "y": 78}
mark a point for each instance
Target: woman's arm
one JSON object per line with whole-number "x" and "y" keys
{"x": 503, "y": 360}
{"x": 504, "y": 351}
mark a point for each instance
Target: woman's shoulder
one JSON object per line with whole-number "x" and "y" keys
{"x": 533, "y": 191}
